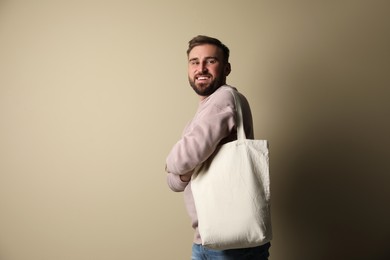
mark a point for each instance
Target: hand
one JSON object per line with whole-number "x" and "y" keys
{"x": 186, "y": 177}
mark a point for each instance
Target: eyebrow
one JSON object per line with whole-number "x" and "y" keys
{"x": 206, "y": 58}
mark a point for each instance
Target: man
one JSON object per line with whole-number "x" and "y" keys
{"x": 213, "y": 125}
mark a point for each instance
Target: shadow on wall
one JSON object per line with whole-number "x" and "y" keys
{"x": 330, "y": 151}
{"x": 335, "y": 161}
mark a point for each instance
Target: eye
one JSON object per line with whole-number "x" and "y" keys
{"x": 212, "y": 61}
{"x": 194, "y": 62}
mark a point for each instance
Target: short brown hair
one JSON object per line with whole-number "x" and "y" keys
{"x": 202, "y": 39}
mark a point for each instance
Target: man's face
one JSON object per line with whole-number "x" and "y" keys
{"x": 207, "y": 70}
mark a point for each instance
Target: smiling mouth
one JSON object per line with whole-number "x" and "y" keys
{"x": 202, "y": 77}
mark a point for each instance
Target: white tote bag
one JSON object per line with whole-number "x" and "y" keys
{"x": 232, "y": 193}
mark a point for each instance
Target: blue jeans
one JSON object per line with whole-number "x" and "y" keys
{"x": 200, "y": 252}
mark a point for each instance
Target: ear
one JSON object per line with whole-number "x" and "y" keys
{"x": 228, "y": 69}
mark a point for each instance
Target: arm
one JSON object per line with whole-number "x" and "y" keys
{"x": 211, "y": 124}
{"x": 178, "y": 183}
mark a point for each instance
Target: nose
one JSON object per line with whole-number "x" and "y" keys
{"x": 203, "y": 67}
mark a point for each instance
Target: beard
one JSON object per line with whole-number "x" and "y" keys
{"x": 205, "y": 89}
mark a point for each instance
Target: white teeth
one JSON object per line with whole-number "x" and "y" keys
{"x": 202, "y": 78}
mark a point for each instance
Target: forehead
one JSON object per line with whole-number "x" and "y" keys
{"x": 205, "y": 50}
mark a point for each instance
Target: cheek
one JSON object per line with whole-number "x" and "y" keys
{"x": 217, "y": 72}
{"x": 191, "y": 75}
{"x": 191, "y": 71}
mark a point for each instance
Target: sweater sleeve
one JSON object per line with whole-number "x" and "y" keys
{"x": 210, "y": 125}
{"x": 175, "y": 183}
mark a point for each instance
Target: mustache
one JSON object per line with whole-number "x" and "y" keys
{"x": 203, "y": 74}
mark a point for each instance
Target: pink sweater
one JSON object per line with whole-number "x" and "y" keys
{"x": 212, "y": 125}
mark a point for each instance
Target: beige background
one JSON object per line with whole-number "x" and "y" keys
{"x": 93, "y": 94}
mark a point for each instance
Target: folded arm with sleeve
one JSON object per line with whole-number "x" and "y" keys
{"x": 213, "y": 122}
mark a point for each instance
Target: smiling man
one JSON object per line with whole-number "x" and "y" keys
{"x": 207, "y": 68}
{"x": 213, "y": 125}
